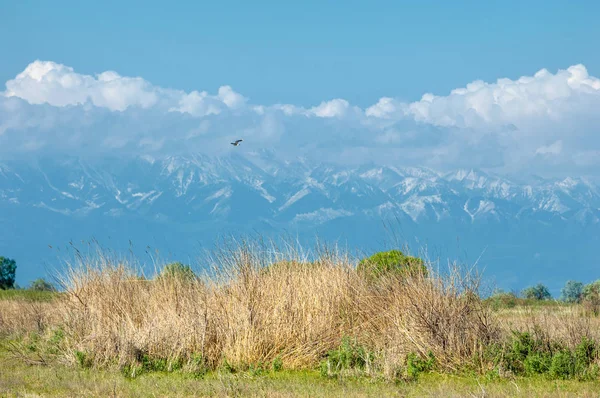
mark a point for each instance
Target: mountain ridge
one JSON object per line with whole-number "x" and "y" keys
{"x": 260, "y": 191}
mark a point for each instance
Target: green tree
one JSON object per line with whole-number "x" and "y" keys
{"x": 591, "y": 296}
{"x": 41, "y": 285}
{"x": 537, "y": 292}
{"x": 393, "y": 261}
{"x": 591, "y": 290}
{"x": 177, "y": 270}
{"x": 572, "y": 292}
{"x": 8, "y": 270}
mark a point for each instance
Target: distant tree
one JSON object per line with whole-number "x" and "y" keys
{"x": 8, "y": 269}
{"x": 591, "y": 296}
{"x": 572, "y": 292}
{"x": 537, "y": 292}
{"x": 41, "y": 285}
{"x": 177, "y": 270}
{"x": 393, "y": 261}
{"x": 591, "y": 290}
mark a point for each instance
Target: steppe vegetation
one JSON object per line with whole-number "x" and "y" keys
{"x": 254, "y": 321}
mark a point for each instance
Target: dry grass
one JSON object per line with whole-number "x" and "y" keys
{"x": 255, "y": 306}
{"x": 565, "y": 324}
{"x": 22, "y": 316}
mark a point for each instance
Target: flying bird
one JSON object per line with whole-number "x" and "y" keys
{"x": 236, "y": 142}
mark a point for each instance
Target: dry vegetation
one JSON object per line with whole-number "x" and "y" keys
{"x": 252, "y": 311}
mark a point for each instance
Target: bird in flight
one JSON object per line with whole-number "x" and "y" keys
{"x": 236, "y": 142}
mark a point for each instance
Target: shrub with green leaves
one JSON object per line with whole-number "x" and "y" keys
{"x": 416, "y": 365}
{"x": 178, "y": 271}
{"x": 591, "y": 297}
{"x": 8, "y": 270}
{"x": 563, "y": 365}
{"x": 526, "y": 355}
{"x": 391, "y": 262}
{"x": 572, "y": 292}
{"x": 537, "y": 292}
{"x": 349, "y": 356}
{"x": 40, "y": 285}
{"x": 501, "y": 299}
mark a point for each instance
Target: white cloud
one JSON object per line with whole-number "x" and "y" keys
{"x": 199, "y": 104}
{"x": 554, "y": 149}
{"x": 335, "y": 108}
{"x": 543, "y": 96}
{"x": 533, "y": 121}
{"x": 231, "y": 98}
{"x": 58, "y": 85}
{"x": 387, "y": 108}
{"x": 46, "y": 82}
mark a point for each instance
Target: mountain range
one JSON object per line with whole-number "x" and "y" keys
{"x": 519, "y": 231}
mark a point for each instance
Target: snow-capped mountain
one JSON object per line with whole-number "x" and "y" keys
{"x": 176, "y": 199}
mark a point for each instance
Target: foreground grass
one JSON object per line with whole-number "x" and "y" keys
{"x": 18, "y": 379}
{"x": 259, "y": 326}
{"x": 28, "y": 295}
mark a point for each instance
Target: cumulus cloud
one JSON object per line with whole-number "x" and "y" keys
{"x": 58, "y": 85}
{"x": 387, "y": 108}
{"x": 546, "y": 96}
{"x": 533, "y": 122}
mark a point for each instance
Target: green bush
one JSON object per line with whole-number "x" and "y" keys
{"x": 537, "y": 292}
{"x": 391, "y": 262}
{"x": 40, "y": 285}
{"x": 537, "y": 363}
{"x": 564, "y": 365}
{"x": 586, "y": 352}
{"x": 416, "y": 365}
{"x": 8, "y": 270}
{"x": 500, "y": 299}
{"x": 591, "y": 297}
{"x": 349, "y": 356}
{"x": 277, "y": 364}
{"x": 525, "y": 355}
{"x": 178, "y": 271}
{"x": 572, "y": 292}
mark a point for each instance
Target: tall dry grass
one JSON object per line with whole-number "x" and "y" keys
{"x": 254, "y": 305}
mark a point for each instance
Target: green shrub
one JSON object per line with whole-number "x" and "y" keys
{"x": 572, "y": 292}
{"x": 391, "y": 262}
{"x": 500, "y": 299}
{"x": 8, "y": 270}
{"x": 591, "y": 297}
{"x": 586, "y": 352}
{"x": 525, "y": 355}
{"x": 349, "y": 356}
{"x": 40, "y": 285}
{"x": 537, "y": 363}
{"x": 83, "y": 359}
{"x": 416, "y": 365}
{"x": 277, "y": 364}
{"x": 178, "y": 271}
{"x": 563, "y": 365}
{"x": 537, "y": 292}
{"x": 197, "y": 365}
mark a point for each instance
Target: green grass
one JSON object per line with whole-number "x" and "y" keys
{"x": 56, "y": 380}
{"x": 504, "y": 301}
{"x": 26, "y": 294}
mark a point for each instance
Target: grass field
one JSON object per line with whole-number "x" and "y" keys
{"x": 256, "y": 327}
{"x": 17, "y": 379}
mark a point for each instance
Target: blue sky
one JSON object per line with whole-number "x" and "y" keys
{"x": 504, "y": 86}
{"x": 304, "y": 52}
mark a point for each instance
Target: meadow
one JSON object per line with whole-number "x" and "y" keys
{"x": 256, "y": 322}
